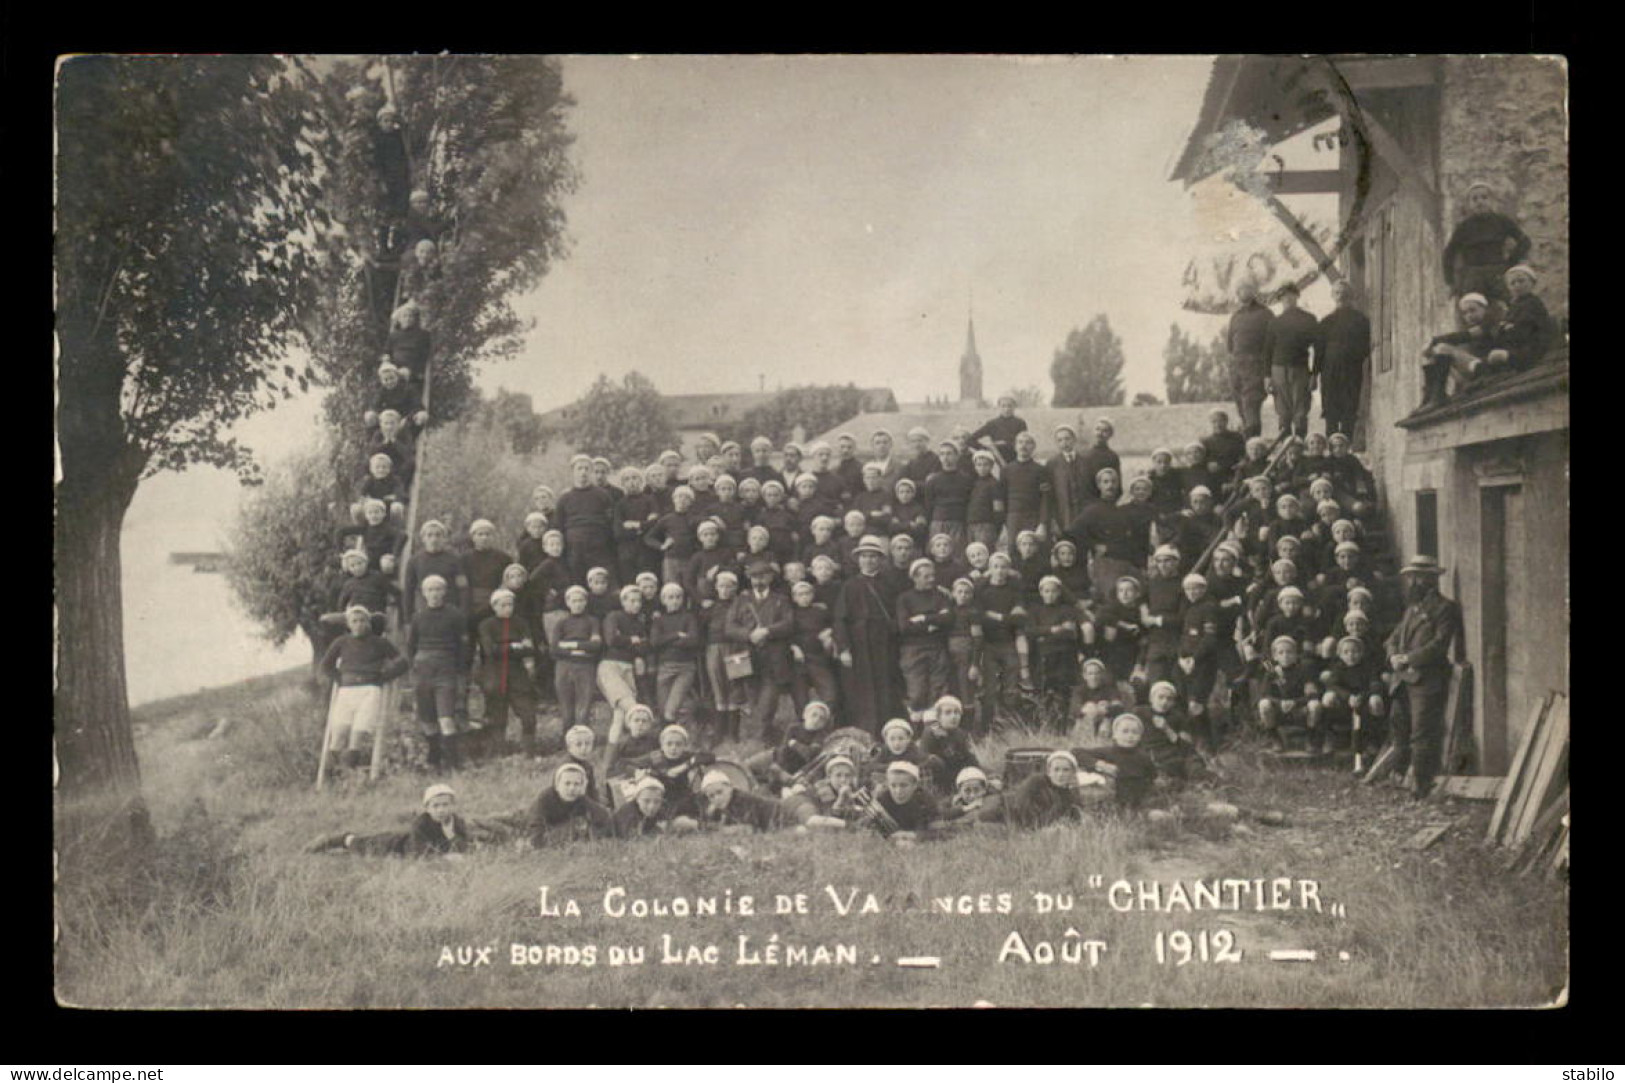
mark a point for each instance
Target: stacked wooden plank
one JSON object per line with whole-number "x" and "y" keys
{"x": 1531, "y": 817}
{"x": 1456, "y": 755}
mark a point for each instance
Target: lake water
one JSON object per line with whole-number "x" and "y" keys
{"x": 183, "y": 630}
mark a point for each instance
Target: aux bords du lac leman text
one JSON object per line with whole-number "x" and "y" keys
{"x": 1122, "y": 896}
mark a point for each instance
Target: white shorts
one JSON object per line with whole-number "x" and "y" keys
{"x": 356, "y": 708}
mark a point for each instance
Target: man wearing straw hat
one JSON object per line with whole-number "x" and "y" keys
{"x": 1419, "y": 651}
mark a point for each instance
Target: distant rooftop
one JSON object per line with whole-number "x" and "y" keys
{"x": 692, "y": 412}
{"x": 1139, "y": 429}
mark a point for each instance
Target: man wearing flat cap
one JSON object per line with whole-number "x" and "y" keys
{"x": 1419, "y": 652}
{"x": 762, "y": 622}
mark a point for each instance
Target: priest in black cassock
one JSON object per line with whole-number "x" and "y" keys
{"x": 865, "y": 626}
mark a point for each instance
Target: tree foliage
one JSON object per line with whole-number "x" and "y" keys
{"x": 1088, "y": 368}
{"x": 512, "y": 412}
{"x": 283, "y": 560}
{"x": 1193, "y": 372}
{"x": 213, "y": 214}
{"x": 471, "y": 471}
{"x": 1145, "y": 398}
{"x": 815, "y": 409}
{"x": 486, "y": 139}
{"x": 626, "y": 423}
{"x": 1031, "y": 397}
{"x": 186, "y": 202}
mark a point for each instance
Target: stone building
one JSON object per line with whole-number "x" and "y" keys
{"x": 1481, "y": 482}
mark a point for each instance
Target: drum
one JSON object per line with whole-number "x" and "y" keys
{"x": 736, "y": 773}
{"x": 1021, "y": 762}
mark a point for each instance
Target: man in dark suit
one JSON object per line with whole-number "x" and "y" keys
{"x": 1345, "y": 343}
{"x": 762, "y": 621}
{"x": 1068, "y": 485}
{"x": 1419, "y": 651}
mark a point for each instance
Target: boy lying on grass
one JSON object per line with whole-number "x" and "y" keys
{"x": 437, "y": 831}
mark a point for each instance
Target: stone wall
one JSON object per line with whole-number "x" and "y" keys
{"x": 1504, "y": 120}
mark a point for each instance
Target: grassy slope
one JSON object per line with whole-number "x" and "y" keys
{"x": 230, "y": 914}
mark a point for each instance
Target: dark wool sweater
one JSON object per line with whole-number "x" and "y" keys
{"x": 573, "y": 639}
{"x": 676, "y": 637}
{"x": 994, "y": 604}
{"x": 626, "y": 639}
{"x": 439, "y": 629}
{"x": 361, "y": 660}
{"x": 587, "y": 513}
{"x": 947, "y": 495}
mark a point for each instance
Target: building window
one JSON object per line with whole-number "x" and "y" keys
{"x": 1427, "y": 523}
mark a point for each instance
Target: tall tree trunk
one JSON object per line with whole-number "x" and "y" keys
{"x": 94, "y": 747}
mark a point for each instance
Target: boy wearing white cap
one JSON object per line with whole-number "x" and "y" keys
{"x": 1527, "y": 332}
{"x": 586, "y": 515}
{"x": 1054, "y": 625}
{"x": 373, "y": 590}
{"x": 910, "y": 808}
{"x": 1461, "y": 352}
{"x": 1353, "y": 683}
{"x": 945, "y": 742}
{"x": 923, "y": 620}
{"x": 874, "y": 500}
{"x": 1483, "y": 245}
{"x": 362, "y": 663}
{"x": 973, "y": 792}
{"x": 946, "y": 495}
{"x": 1199, "y": 621}
{"x": 1001, "y": 431}
{"x": 924, "y": 461}
{"x": 720, "y": 806}
{"x": 1291, "y": 620}
{"x": 1160, "y": 614}
{"x": 1004, "y": 654}
{"x": 812, "y": 645}
{"x": 1046, "y": 797}
{"x": 394, "y": 392}
{"x": 984, "y": 505}
{"x": 382, "y": 483}
{"x": 1099, "y": 700}
{"x": 438, "y": 830}
{"x": 577, "y": 644}
{"x": 1291, "y": 695}
{"x": 483, "y": 566}
{"x": 437, "y": 644}
{"x": 780, "y": 523}
{"x": 1125, "y": 762}
{"x": 566, "y": 811}
{"x": 1167, "y": 737}
{"x": 505, "y": 648}
{"x": 909, "y": 514}
{"x": 645, "y": 813}
{"x": 1026, "y": 487}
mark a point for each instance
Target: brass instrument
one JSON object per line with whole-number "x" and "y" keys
{"x": 873, "y": 813}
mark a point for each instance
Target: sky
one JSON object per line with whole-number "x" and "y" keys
{"x": 828, "y": 219}
{"x": 813, "y": 220}
{"x": 744, "y": 221}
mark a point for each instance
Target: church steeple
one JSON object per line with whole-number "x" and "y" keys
{"x": 970, "y": 366}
